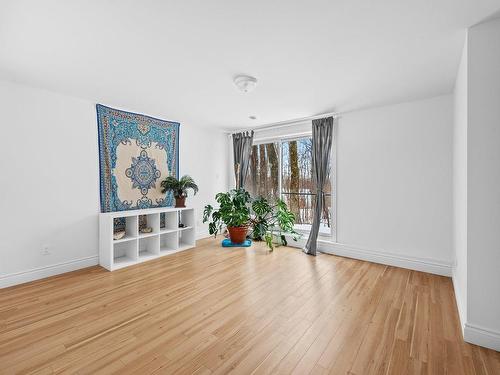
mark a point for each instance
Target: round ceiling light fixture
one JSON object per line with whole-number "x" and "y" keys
{"x": 245, "y": 83}
{"x": 252, "y": 117}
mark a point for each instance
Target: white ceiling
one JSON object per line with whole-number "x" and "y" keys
{"x": 176, "y": 59}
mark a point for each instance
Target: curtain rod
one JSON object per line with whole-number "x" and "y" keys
{"x": 285, "y": 123}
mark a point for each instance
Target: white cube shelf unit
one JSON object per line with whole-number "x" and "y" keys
{"x": 136, "y": 247}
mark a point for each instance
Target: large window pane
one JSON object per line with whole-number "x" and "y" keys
{"x": 263, "y": 177}
{"x": 297, "y": 188}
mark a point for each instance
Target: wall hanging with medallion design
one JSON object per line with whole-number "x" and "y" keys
{"x": 136, "y": 152}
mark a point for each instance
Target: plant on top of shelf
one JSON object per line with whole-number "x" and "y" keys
{"x": 179, "y": 188}
{"x": 237, "y": 211}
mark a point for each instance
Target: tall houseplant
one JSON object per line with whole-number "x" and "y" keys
{"x": 239, "y": 212}
{"x": 233, "y": 212}
{"x": 179, "y": 188}
{"x": 272, "y": 221}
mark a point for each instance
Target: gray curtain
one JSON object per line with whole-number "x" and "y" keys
{"x": 322, "y": 136}
{"x": 242, "y": 148}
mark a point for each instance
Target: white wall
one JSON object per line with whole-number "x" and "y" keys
{"x": 50, "y": 180}
{"x": 483, "y": 168}
{"x": 203, "y": 156}
{"x": 460, "y": 186}
{"x": 394, "y": 184}
{"x": 394, "y": 179}
{"x": 50, "y": 192}
{"x": 476, "y": 177}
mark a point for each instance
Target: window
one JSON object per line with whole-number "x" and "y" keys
{"x": 283, "y": 169}
{"x": 263, "y": 176}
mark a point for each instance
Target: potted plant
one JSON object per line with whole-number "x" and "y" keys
{"x": 179, "y": 188}
{"x": 233, "y": 212}
{"x": 239, "y": 212}
{"x": 270, "y": 221}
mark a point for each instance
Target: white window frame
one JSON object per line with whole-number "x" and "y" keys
{"x": 332, "y": 236}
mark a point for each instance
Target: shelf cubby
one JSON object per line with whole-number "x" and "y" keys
{"x": 187, "y": 218}
{"x": 169, "y": 242}
{"x": 131, "y": 227}
{"x": 124, "y": 253}
{"x": 136, "y": 247}
{"x": 149, "y": 220}
{"x": 187, "y": 238}
{"x": 149, "y": 247}
{"x": 170, "y": 220}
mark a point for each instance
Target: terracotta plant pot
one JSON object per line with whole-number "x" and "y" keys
{"x": 180, "y": 201}
{"x": 237, "y": 234}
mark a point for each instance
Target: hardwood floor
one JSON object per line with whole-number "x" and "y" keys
{"x": 214, "y": 310}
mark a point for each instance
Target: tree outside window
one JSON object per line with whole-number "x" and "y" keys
{"x": 295, "y": 179}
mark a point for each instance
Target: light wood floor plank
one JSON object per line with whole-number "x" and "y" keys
{"x": 214, "y": 310}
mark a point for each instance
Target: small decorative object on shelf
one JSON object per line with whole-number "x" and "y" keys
{"x": 146, "y": 230}
{"x": 179, "y": 188}
{"x": 118, "y": 235}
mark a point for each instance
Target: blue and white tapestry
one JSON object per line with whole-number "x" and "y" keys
{"x": 136, "y": 152}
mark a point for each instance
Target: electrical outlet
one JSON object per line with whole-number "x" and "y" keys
{"x": 45, "y": 250}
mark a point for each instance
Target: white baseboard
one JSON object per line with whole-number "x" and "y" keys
{"x": 472, "y": 333}
{"x": 460, "y": 304}
{"x": 433, "y": 266}
{"x": 481, "y": 336}
{"x": 56, "y": 269}
{"x": 42, "y": 272}
{"x": 202, "y": 235}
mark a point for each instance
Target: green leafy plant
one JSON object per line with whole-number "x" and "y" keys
{"x": 179, "y": 187}
{"x": 233, "y": 211}
{"x": 272, "y": 221}
{"x": 268, "y": 222}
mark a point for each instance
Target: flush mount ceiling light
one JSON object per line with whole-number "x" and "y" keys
{"x": 245, "y": 83}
